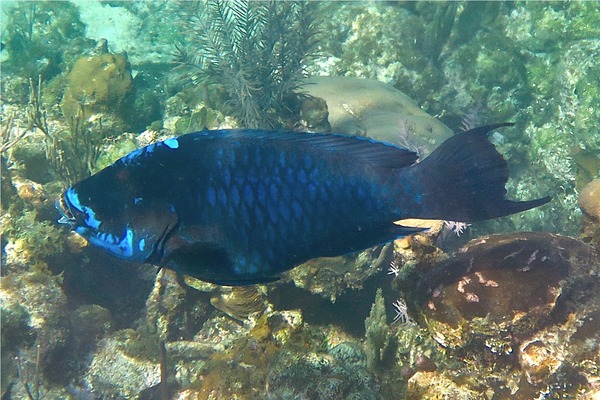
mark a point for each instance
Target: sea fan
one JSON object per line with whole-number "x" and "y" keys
{"x": 256, "y": 51}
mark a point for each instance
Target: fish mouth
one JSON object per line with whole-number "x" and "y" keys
{"x": 63, "y": 207}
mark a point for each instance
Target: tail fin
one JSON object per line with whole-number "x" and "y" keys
{"x": 464, "y": 180}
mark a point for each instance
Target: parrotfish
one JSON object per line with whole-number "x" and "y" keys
{"x": 241, "y": 206}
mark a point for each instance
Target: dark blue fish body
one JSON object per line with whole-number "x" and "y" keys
{"x": 241, "y": 206}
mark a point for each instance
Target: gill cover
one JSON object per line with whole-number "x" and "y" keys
{"x": 128, "y": 227}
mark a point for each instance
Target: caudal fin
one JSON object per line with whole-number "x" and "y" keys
{"x": 464, "y": 180}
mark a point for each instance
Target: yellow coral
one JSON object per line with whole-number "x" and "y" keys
{"x": 99, "y": 83}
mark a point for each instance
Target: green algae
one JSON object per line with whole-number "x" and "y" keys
{"x": 118, "y": 147}
{"x": 30, "y": 241}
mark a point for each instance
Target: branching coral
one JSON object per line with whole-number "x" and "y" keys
{"x": 9, "y": 136}
{"x": 255, "y": 51}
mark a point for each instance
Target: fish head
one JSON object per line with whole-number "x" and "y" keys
{"x": 112, "y": 220}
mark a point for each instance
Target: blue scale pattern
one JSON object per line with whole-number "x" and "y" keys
{"x": 268, "y": 201}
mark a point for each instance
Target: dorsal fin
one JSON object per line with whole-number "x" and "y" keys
{"x": 380, "y": 154}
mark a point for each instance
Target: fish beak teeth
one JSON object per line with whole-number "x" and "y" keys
{"x": 65, "y": 220}
{"x": 67, "y": 217}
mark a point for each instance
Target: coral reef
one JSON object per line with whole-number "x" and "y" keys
{"x": 367, "y": 107}
{"x": 338, "y": 374}
{"x": 589, "y": 200}
{"x": 430, "y": 385}
{"x": 332, "y": 276}
{"x": 41, "y": 38}
{"x": 29, "y": 241}
{"x": 97, "y": 84}
{"x": 70, "y": 149}
{"x": 514, "y": 62}
{"x": 507, "y": 316}
{"x": 146, "y": 30}
{"x": 474, "y": 307}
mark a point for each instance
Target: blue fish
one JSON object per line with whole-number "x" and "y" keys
{"x": 239, "y": 207}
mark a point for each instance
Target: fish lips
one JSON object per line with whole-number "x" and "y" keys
{"x": 64, "y": 208}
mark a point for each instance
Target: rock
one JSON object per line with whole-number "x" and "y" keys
{"x": 525, "y": 300}
{"x": 120, "y": 369}
{"x": 330, "y": 277}
{"x": 314, "y": 114}
{"x": 89, "y": 323}
{"x": 240, "y": 302}
{"x": 236, "y": 366}
{"x": 174, "y": 311}
{"x": 589, "y": 199}
{"x": 427, "y": 385}
{"x": 34, "y": 328}
{"x": 377, "y": 110}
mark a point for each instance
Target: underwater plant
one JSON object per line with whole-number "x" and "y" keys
{"x": 378, "y": 336}
{"x": 9, "y": 136}
{"x": 255, "y": 51}
{"x": 71, "y": 153}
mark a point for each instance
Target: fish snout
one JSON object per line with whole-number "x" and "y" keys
{"x": 64, "y": 209}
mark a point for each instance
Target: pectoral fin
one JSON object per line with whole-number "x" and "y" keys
{"x": 199, "y": 260}
{"x": 206, "y": 261}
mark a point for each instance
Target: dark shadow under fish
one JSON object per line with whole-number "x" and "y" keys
{"x": 238, "y": 207}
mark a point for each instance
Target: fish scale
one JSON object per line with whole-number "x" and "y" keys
{"x": 239, "y": 207}
{"x": 269, "y": 202}
{"x": 272, "y": 211}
